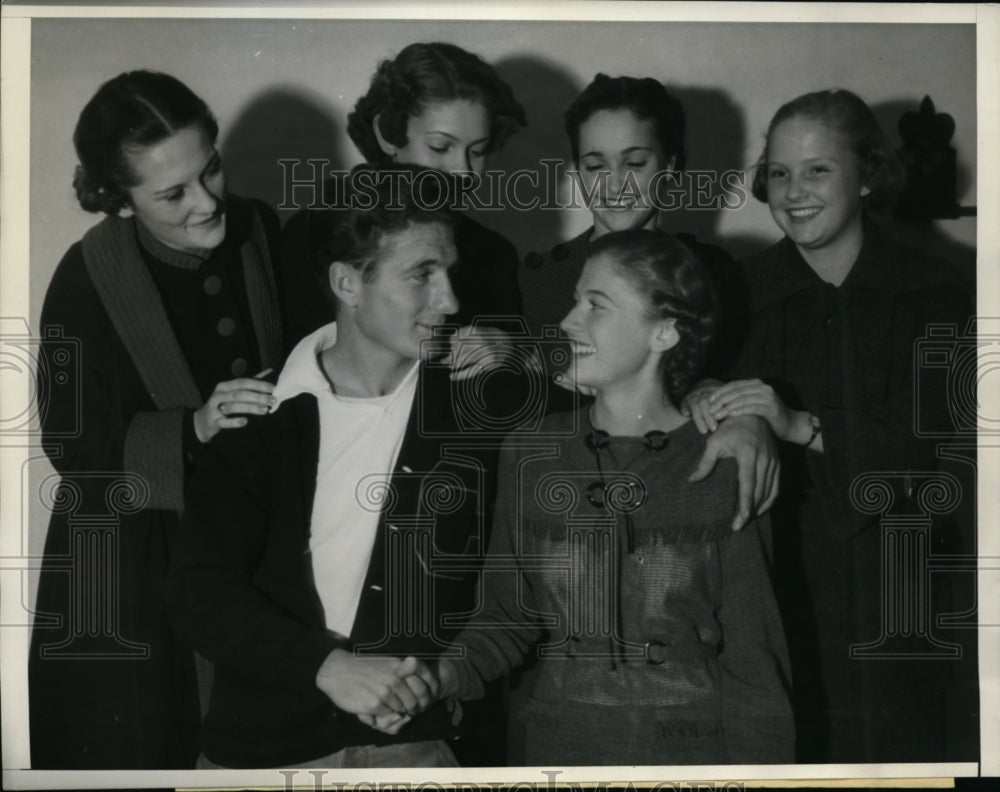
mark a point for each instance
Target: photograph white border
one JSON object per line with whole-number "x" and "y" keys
{"x": 14, "y": 171}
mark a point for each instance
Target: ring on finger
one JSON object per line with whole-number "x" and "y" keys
{"x": 222, "y": 408}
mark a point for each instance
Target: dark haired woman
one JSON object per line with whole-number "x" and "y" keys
{"x": 653, "y": 626}
{"x": 173, "y": 310}
{"x": 438, "y": 106}
{"x": 627, "y": 139}
{"x": 837, "y": 308}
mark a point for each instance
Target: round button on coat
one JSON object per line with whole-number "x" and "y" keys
{"x": 212, "y": 285}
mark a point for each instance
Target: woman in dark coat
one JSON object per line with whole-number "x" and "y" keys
{"x": 167, "y": 314}
{"x": 837, "y": 311}
{"x": 438, "y": 106}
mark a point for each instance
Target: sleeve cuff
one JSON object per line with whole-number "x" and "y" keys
{"x": 154, "y": 450}
{"x": 470, "y": 685}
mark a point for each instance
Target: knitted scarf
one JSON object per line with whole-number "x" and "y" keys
{"x": 153, "y": 441}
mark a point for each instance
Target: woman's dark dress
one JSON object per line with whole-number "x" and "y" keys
{"x": 111, "y": 687}
{"x": 847, "y": 354}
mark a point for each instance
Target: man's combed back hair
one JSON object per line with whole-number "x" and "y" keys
{"x": 379, "y": 201}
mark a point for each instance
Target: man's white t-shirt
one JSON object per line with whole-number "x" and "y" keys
{"x": 359, "y": 442}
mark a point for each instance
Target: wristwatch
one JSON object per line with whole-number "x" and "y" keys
{"x": 815, "y": 427}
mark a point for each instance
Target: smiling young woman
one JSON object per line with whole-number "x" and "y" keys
{"x": 829, "y": 361}
{"x": 172, "y": 306}
{"x": 650, "y": 632}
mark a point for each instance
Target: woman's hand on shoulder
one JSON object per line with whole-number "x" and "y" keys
{"x": 749, "y": 440}
{"x": 752, "y": 397}
{"x": 697, "y": 405}
{"x": 230, "y": 404}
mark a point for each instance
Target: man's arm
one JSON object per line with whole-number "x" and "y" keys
{"x": 226, "y": 529}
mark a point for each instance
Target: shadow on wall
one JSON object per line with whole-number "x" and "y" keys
{"x": 281, "y": 124}
{"x": 929, "y": 236}
{"x": 716, "y": 178}
{"x": 545, "y": 89}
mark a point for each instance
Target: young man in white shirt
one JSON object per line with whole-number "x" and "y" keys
{"x": 330, "y": 547}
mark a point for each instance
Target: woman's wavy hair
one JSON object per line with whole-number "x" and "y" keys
{"x": 675, "y": 286}
{"x": 644, "y": 97}
{"x": 380, "y": 200}
{"x": 847, "y": 114}
{"x": 133, "y": 110}
{"x": 423, "y": 74}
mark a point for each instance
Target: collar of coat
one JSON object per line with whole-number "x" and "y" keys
{"x": 111, "y": 252}
{"x": 882, "y": 264}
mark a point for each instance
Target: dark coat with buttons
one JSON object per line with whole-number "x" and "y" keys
{"x": 241, "y": 587}
{"x": 136, "y": 336}
{"x": 867, "y": 359}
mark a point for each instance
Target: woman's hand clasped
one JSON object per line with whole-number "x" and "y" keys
{"x": 428, "y": 683}
{"x": 377, "y": 687}
{"x": 230, "y": 403}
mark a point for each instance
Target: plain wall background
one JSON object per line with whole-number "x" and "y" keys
{"x": 283, "y": 88}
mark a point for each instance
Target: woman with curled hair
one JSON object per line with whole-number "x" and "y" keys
{"x": 422, "y": 74}
{"x": 170, "y": 307}
{"x": 433, "y": 105}
{"x": 837, "y": 308}
{"x": 653, "y": 628}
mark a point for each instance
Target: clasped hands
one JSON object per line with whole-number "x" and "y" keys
{"x": 384, "y": 692}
